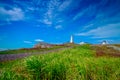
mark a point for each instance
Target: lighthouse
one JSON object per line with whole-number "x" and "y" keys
{"x": 71, "y": 39}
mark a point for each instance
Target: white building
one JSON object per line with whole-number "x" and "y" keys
{"x": 71, "y": 39}
{"x": 104, "y": 42}
{"x": 81, "y": 43}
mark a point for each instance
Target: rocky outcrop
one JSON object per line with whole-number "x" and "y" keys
{"x": 43, "y": 45}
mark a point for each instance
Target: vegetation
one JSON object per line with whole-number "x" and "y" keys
{"x": 28, "y": 50}
{"x": 78, "y": 63}
{"x": 103, "y": 50}
{"x": 118, "y": 45}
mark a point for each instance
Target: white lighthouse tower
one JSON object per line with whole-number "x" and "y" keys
{"x": 71, "y": 39}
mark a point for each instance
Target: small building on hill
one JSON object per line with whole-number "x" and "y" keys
{"x": 81, "y": 43}
{"x": 104, "y": 43}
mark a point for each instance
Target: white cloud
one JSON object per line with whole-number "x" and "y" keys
{"x": 60, "y": 20}
{"x": 101, "y": 17}
{"x": 14, "y": 14}
{"x": 48, "y": 22}
{"x": 52, "y": 10}
{"x": 79, "y": 14}
{"x": 31, "y": 9}
{"x": 106, "y": 31}
{"x": 64, "y": 5}
{"x": 39, "y": 40}
{"x": 58, "y": 27}
{"x": 49, "y": 14}
{"x": 28, "y": 42}
{"x": 89, "y": 11}
{"x": 88, "y": 26}
{"x": 92, "y": 10}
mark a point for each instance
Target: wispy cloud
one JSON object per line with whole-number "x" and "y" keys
{"x": 78, "y": 15}
{"x": 64, "y": 5}
{"x": 39, "y": 40}
{"x": 89, "y": 11}
{"x": 98, "y": 13}
{"x": 14, "y": 14}
{"x": 48, "y": 22}
{"x": 106, "y": 31}
{"x": 58, "y": 27}
{"x": 87, "y": 26}
{"x": 53, "y": 11}
{"x": 59, "y": 20}
{"x": 28, "y": 42}
{"x": 48, "y": 16}
{"x": 101, "y": 20}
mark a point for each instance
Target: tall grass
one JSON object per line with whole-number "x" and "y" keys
{"x": 78, "y": 63}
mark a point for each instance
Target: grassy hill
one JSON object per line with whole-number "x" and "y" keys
{"x": 78, "y": 63}
{"x": 29, "y": 50}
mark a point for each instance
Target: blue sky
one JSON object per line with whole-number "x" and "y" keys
{"x": 23, "y": 23}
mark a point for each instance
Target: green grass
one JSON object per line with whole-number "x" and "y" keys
{"x": 78, "y": 63}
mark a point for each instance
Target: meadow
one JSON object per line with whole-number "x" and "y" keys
{"x": 78, "y": 63}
